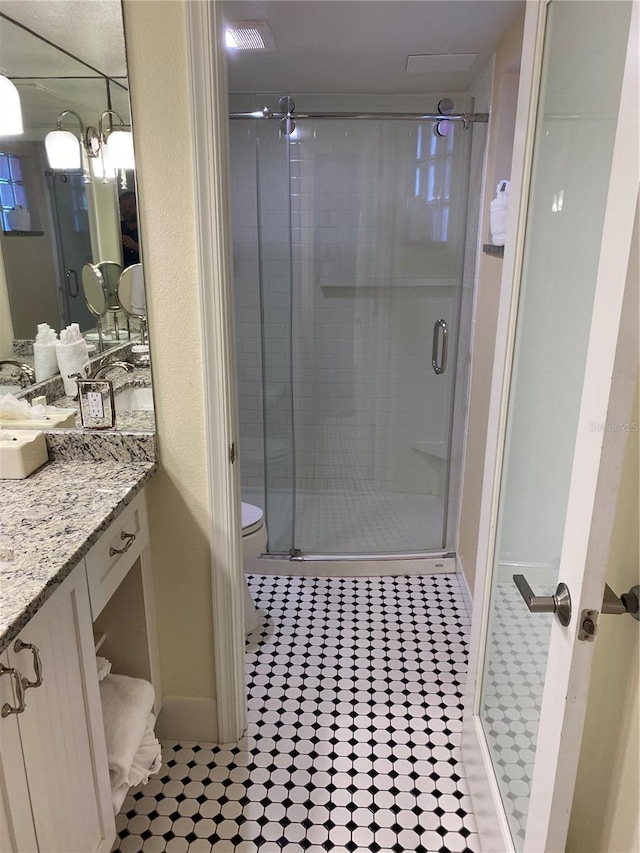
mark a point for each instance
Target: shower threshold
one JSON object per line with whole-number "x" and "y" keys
{"x": 353, "y": 565}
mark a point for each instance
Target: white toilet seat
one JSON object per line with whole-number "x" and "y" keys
{"x": 254, "y": 543}
{"x": 252, "y": 518}
{"x": 254, "y": 532}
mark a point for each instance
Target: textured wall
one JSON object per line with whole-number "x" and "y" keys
{"x": 178, "y": 499}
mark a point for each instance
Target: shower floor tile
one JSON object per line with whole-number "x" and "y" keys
{"x": 353, "y": 739}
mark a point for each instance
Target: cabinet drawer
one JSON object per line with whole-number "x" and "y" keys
{"x": 115, "y": 552}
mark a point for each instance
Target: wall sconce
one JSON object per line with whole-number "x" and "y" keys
{"x": 10, "y": 109}
{"x": 112, "y": 150}
{"x": 67, "y": 152}
{"x": 116, "y": 149}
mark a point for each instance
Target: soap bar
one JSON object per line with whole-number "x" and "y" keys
{"x": 21, "y": 453}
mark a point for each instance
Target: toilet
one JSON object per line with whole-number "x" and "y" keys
{"x": 254, "y": 543}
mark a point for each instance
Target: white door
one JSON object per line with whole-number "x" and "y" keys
{"x": 576, "y": 187}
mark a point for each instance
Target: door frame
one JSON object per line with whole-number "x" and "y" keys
{"x": 210, "y": 151}
{"x": 490, "y": 815}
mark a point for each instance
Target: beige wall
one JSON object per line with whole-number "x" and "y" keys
{"x": 178, "y": 500}
{"x": 499, "y": 151}
{"x": 606, "y": 809}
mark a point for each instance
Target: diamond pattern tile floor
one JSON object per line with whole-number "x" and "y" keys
{"x": 353, "y": 740}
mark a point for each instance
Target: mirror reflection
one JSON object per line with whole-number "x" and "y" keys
{"x": 69, "y": 244}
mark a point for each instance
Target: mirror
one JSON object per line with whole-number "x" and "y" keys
{"x": 95, "y": 290}
{"x": 131, "y": 296}
{"x": 66, "y": 235}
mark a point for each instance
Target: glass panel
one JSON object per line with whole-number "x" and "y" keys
{"x": 4, "y": 167}
{"x": 16, "y": 168}
{"x": 73, "y": 243}
{"x": 378, "y": 214}
{"x": 275, "y": 289}
{"x": 6, "y": 195}
{"x": 573, "y": 153}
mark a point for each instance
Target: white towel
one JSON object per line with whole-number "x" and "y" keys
{"x": 72, "y": 358}
{"x": 126, "y": 705}
{"x": 147, "y": 761}
{"x": 104, "y": 667}
{"x": 45, "y": 361}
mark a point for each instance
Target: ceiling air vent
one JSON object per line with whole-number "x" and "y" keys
{"x": 249, "y": 35}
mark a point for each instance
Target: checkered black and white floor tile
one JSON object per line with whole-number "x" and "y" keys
{"x": 353, "y": 742}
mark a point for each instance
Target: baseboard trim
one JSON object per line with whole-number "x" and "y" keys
{"x": 188, "y": 718}
{"x": 464, "y": 586}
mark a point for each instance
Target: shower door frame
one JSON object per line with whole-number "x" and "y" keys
{"x": 436, "y": 559}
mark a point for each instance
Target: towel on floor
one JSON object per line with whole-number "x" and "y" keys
{"x": 126, "y": 706}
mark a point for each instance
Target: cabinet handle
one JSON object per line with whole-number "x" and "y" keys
{"x": 19, "y": 646}
{"x": 8, "y": 709}
{"x": 129, "y": 538}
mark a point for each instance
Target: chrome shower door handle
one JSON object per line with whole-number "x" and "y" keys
{"x": 559, "y": 603}
{"x": 76, "y": 291}
{"x": 439, "y": 364}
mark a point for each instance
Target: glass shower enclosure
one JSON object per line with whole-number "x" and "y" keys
{"x": 349, "y": 242}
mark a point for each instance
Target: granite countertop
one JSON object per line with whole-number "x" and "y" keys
{"x": 49, "y": 521}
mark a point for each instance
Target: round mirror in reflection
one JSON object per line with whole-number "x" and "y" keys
{"x": 94, "y": 289}
{"x": 111, "y": 271}
{"x": 131, "y": 291}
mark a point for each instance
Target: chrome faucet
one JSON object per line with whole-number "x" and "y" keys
{"x": 103, "y": 368}
{"x": 25, "y": 372}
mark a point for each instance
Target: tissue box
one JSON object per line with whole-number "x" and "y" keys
{"x": 21, "y": 453}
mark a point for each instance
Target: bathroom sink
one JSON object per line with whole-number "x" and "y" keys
{"x": 10, "y": 389}
{"x": 132, "y": 399}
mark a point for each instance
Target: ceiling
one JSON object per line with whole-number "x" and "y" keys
{"x": 49, "y": 80}
{"x": 89, "y": 29}
{"x": 361, "y": 46}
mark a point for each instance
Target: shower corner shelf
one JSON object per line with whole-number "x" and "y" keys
{"x": 495, "y": 251}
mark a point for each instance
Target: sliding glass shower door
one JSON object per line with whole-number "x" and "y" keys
{"x": 360, "y": 235}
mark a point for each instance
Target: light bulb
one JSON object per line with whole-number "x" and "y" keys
{"x": 63, "y": 150}
{"x": 119, "y": 147}
{"x": 10, "y": 109}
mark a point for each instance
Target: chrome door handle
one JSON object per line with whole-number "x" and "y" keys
{"x": 19, "y": 646}
{"x": 129, "y": 538}
{"x": 560, "y": 603}
{"x": 439, "y": 366}
{"x": 76, "y": 292}
{"x": 8, "y": 709}
{"x": 629, "y": 602}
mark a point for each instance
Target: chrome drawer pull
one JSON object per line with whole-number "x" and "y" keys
{"x": 129, "y": 538}
{"x": 8, "y": 709}
{"x": 19, "y": 646}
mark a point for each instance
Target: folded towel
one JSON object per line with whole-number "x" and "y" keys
{"x": 45, "y": 361}
{"x": 72, "y": 358}
{"x": 104, "y": 667}
{"x": 147, "y": 761}
{"x": 148, "y": 758}
{"x": 126, "y": 705}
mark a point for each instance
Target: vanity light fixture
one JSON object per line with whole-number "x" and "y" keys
{"x": 66, "y": 151}
{"x": 116, "y": 148}
{"x": 10, "y": 109}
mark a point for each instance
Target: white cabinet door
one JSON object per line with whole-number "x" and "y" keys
{"x": 16, "y": 822}
{"x": 61, "y": 728}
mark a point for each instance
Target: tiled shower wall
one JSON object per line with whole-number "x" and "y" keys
{"x": 371, "y": 278}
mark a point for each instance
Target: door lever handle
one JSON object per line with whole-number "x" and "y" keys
{"x": 560, "y": 603}
{"x": 629, "y": 602}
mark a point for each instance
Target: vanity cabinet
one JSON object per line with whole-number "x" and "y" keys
{"x": 59, "y": 732}
{"x": 55, "y": 794}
